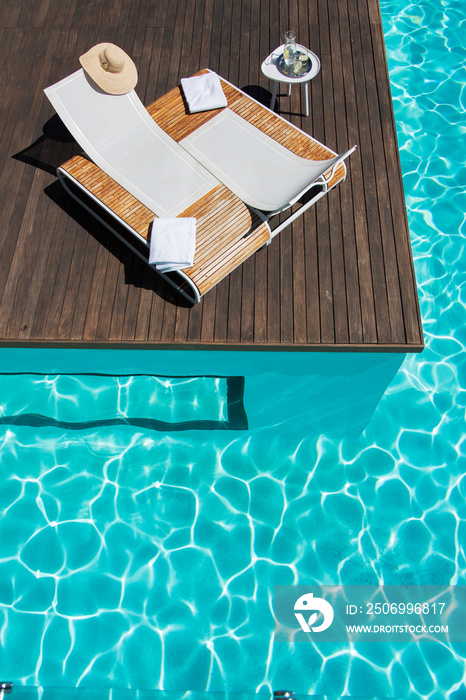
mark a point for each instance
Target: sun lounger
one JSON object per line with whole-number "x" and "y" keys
{"x": 223, "y": 167}
{"x": 269, "y": 163}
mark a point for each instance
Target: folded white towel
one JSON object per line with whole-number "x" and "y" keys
{"x": 203, "y": 92}
{"x": 172, "y": 244}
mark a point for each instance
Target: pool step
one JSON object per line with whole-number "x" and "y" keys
{"x": 81, "y": 401}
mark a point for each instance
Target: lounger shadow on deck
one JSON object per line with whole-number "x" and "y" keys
{"x": 260, "y": 94}
{"x": 136, "y": 272}
{"x": 51, "y": 149}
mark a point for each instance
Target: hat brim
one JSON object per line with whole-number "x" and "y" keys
{"x": 113, "y": 83}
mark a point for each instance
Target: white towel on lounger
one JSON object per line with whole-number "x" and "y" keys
{"x": 203, "y": 92}
{"x": 172, "y": 243}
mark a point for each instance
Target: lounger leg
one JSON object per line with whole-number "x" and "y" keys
{"x": 274, "y": 95}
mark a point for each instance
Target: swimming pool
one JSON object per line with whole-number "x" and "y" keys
{"x": 144, "y": 557}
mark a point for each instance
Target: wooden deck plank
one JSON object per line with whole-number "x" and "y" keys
{"x": 411, "y": 313}
{"x": 341, "y": 277}
{"x": 194, "y": 321}
{"x": 340, "y": 44}
{"x": 311, "y": 260}
{"x": 133, "y": 299}
{"x": 385, "y": 215}
{"x": 299, "y": 283}
{"x": 364, "y": 270}
{"x": 337, "y": 241}
{"x": 59, "y": 271}
{"x": 370, "y": 188}
{"x": 109, "y": 289}
{"x": 46, "y": 295}
{"x": 157, "y": 309}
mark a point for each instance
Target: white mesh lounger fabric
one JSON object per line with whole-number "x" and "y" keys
{"x": 118, "y": 134}
{"x": 258, "y": 169}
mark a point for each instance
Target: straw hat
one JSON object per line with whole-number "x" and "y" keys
{"x": 110, "y": 68}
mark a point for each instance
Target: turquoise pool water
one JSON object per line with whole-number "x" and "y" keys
{"x": 143, "y": 556}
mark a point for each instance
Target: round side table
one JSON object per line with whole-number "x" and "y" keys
{"x": 270, "y": 70}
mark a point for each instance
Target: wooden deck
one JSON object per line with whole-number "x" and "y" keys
{"x": 339, "y": 278}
